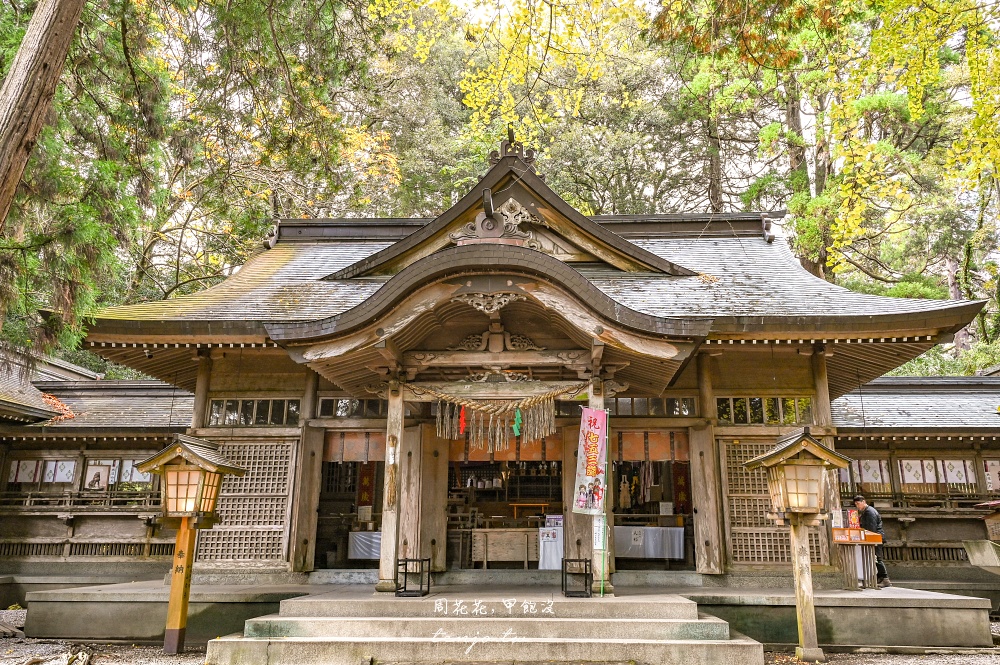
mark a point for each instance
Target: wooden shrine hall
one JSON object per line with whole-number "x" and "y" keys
{"x": 411, "y": 388}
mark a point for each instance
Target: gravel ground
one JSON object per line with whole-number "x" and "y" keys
{"x": 13, "y": 617}
{"x": 17, "y": 652}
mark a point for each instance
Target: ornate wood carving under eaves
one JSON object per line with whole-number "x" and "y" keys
{"x": 488, "y": 303}
{"x": 499, "y": 376}
{"x": 490, "y": 340}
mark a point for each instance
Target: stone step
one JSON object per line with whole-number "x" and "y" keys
{"x": 708, "y": 628}
{"x": 516, "y": 604}
{"x": 239, "y": 650}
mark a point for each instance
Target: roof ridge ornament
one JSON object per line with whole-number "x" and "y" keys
{"x": 513, "y": 148}
{"x": 500, "y": 225}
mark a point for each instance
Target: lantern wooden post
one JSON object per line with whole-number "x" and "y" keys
{"x": 798, "y": 472}
{"x": 192, "y": 471}
{"x": 180, "y": 588}
{"x": 805, "y": 610}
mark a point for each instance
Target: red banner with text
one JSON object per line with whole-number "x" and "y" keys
{"x": 591, "y": 459}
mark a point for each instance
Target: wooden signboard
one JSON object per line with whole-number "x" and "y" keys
{"x": 856, "y": 537}
{"x": 993, "y": 527}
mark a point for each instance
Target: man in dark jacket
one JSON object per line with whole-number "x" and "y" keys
{"x": 872, "y": 521}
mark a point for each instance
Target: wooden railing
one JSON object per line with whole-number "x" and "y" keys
{"x": 892, "y": 502}
{"x": 110, "y": 501}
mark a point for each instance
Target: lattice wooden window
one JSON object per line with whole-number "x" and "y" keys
{"x": 253, "y": 509}
{"x": 753, "y": 538}
{"x": 241, "y": 544}
{"x": 267, "y": 466}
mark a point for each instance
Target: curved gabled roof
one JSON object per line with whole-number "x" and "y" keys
{"x": 511, "y": 174}
{"x": 485, "y": 259}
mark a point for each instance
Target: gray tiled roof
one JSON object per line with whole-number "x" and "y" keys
{"x": 22, "y": 401}
{"x": 934, "y": 403}
{"x": 281, "y": 284}
{"x": 739, "y": 277}
{"x": 120, "y": 404}
{"x": 744, "y": 277}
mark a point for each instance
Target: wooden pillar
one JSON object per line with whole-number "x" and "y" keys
{"x": 180, "y": 588}
{"x": 609, "y": 509}
{"x": 434, "y": 498}
{"x": 307, "y": 477}
{"x": 600, "y": 540}
{"x": 411, "y": 463}
{"x": 823, "y": 417}
{"x": 808, "y": 649}
{"x": 822, "y": 413}
{"x": 390, "y": 492}
{"x": 576, "y": 527}
{"x": 201, "y": 385}
{"x": 706, "y": 481}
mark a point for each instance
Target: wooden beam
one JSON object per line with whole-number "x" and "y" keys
{"x": 387, "y": 349}
{"x": 596, "y": 353}
{"x": 572, "y": 358}
{"x": 513, "y": 390}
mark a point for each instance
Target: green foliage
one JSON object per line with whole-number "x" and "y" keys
{"x": 178, "y": 126}
{"x": 925, "y": 287}
{"x": 945, "y": 361}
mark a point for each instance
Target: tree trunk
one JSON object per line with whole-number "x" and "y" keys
{"x": 798, "y": 170}
{"x": 821, "y": 160}
{"x": 26, "y": 94}
{"x": 714, "y": 165}
{"x": 962, "y": 342}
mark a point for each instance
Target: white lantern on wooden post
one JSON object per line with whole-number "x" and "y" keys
{"x": 797, "y": 475}
{"x": 192, "y": 471}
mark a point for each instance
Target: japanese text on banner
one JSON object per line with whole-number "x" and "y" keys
{"x": 590, "y": 463}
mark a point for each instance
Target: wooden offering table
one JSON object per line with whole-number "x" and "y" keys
{"x": 504, "y": 545}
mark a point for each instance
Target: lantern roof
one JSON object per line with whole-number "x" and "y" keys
{"x": 794, "y": 444}
{"x": 200, "y": 452}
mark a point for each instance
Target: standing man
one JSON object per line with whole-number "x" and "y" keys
{"x": 872, "y": 521}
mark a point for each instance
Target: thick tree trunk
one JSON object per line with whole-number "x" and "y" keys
{"x": 798, "y": 171}
{"x": 714, "y": 166}
{"x": 26, "y": 94}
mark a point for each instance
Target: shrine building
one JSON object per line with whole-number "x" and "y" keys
{"x": 411, "y": 388}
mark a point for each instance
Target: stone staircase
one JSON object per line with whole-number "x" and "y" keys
{"x": 354, "y": 626}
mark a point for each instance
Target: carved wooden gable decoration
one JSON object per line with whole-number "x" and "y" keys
{"x": 513, "y": 224}
{"x": 512, "y": 205}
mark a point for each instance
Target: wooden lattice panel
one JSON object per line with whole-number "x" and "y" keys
{"x": 771, "y": 546}
{"x": 241, "y": 545}
{"x": 753, "y": 538}
{"x": 740, "y": 479}
{"x": 267, "y": 464}
{"x": 749, "y": 511}
{"x": 253, "y": 509}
